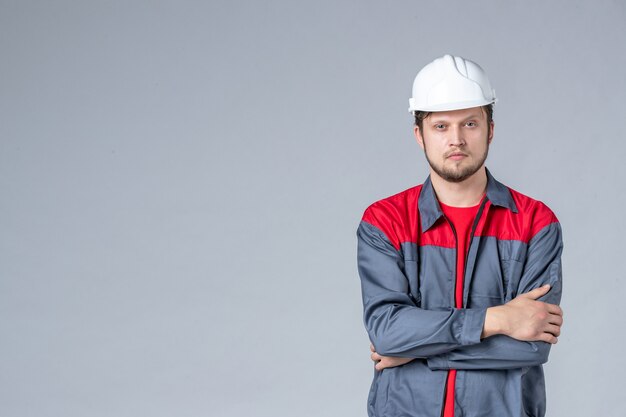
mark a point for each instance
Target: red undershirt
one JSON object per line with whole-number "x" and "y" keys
{"x": 462, "y": 218}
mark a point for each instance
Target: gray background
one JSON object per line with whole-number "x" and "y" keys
{"x": 182, "y": 181}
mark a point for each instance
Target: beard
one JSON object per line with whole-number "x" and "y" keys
{"x": 461, "y": 174}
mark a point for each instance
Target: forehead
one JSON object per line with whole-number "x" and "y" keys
{"x": 453, "y": 115}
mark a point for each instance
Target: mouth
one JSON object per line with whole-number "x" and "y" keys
{"x": 456, "y": 156}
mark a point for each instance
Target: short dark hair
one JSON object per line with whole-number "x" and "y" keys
{"x": 421, "y": 115}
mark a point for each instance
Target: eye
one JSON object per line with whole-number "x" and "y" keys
{"x": 471, "y": 124}
{"x": 439, "y": 126}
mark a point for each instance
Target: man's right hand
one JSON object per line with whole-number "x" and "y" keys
{"x": 525, "y": 318}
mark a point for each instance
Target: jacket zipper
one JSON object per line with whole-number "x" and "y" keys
{"x": 456, "y": 240}
{"x": 456, "y": 253}
{"x": 469, "y": 247}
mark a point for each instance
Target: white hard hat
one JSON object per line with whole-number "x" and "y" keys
{"x": 451, "y": 83}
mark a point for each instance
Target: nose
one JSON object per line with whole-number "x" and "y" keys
{"x": 456, "y": 136}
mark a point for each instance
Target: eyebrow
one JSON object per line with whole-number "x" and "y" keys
{"x": 471, "y": 116}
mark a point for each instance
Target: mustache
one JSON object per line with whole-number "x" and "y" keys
{"x": 457, "y": 152}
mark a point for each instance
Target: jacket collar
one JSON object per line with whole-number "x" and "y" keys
{"x": 430, "y": 210}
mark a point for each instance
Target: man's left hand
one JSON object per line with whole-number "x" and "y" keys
{"x": 383, "y": 362}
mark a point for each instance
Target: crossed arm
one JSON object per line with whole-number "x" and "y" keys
{"x": 522, "y": 319}
{"x": 516, "y": 334}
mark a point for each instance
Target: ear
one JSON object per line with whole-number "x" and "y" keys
{"x": 418, "y": 136}
{"x": 491, "y": 132}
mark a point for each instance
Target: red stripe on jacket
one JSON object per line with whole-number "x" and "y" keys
{"x": 398, "y": 218}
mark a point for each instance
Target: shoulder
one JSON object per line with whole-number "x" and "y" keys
{"x": 533, "y": 214}
{"x": 395, "y": 216}
{"x": 394, "y": 207}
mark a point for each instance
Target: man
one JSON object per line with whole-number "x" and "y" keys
{"x": 461, "y": 275}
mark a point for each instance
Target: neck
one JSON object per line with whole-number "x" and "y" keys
{"x": 466, "y": 193}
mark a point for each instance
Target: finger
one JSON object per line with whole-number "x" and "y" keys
{"x": 547, "y": 337}
{"x": 554, "y": 319}
{"x": 537, "y": 292}
{"x": 380, "y": 366}
{"x": 376, "y": 357}
{"x": 554, "y": 309}
{"x": 554, "y": 330}
{"x": 372, "y": 347}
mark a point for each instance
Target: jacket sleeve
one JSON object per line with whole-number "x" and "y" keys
{"x": 395, "y": 324}
{"x": 542, "y": 266}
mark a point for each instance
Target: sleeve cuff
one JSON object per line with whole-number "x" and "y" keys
{"x": 438, "y": 362}
{"x": 473, "y": 325}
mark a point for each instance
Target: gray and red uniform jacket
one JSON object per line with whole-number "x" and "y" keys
{"x": 407, "y": 266}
